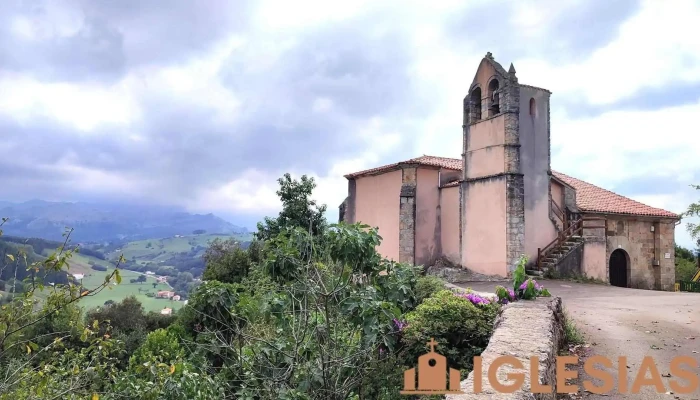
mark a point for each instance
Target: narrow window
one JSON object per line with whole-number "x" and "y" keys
{"x": 533, "y": 109}
{"x": 475, "y": 103}
{"x": 494, "y": 98}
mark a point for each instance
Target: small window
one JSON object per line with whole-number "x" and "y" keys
{"x": 533, "y": 108}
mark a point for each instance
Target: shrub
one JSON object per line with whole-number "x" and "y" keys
{"x": 426, "y": 286}
{"x": 99, "y": 267}
{"x": 505, "y": 296}
{"x": 530, "y": 290}
{"x": 461, "y": 328}
{"x": 685, "y": 269}
{"x": 149, "y": 294}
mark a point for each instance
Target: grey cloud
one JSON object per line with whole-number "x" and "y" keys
{"x": 116, "y": 35}
{"x": 584, "y": 27}
{"x": 186, "y": 150}
{"x": 645, "y": 99}
{"x": 653, "y": 184}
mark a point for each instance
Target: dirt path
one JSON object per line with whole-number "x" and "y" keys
{"x": 632, "y": 323}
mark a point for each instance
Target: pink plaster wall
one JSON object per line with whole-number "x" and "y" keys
{"x": 487, "y": 133}
{"x": 539, "y": 229}
{"x": 595, "y": 260}
{"x": 558, "y": 193}
{"x": 485, "y": 156}
{"x": 427, "y": 228}
{"x": 449, "y": 223}
{"x": 484, "y": 232}
{"x": 377, "y": 205}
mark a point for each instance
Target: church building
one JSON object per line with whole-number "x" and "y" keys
{"x": 502, "y": 200}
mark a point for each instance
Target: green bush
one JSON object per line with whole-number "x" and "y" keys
{"x": 685, "y": 269}
{"x": 427, "y": 286}
{"x": 461, "y": 329}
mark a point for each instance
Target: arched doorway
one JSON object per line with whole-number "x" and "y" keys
{"x": 618, "y": 268}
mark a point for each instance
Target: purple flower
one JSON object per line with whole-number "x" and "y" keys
{"x": 475, "y": 298}
{"x": 400, "y": 325}
{"x": 511, "y": 294}
{"x": 536, "y": 285}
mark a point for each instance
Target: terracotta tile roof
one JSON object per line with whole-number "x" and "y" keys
{"x": 430, "y": 161}
{"x": 592, "y": 198}
{"x": 589, "y": 197}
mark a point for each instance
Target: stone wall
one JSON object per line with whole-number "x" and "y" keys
{"x": 644, "y": 248}
{"x": 515, "y": 220}
{"x": 407, "y": 215}
{"x": 523, "y": 329}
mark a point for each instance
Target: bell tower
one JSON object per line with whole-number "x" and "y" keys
{"x": 492, "y": 226}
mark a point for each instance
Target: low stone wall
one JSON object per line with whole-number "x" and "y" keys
{"x": 523, "y": 329}
{"x": 453, "y": 273}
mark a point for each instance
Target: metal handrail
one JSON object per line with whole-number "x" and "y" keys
{"x": 575, "y": 228}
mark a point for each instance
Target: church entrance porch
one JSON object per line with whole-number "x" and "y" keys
{"x": 618, "y": 268}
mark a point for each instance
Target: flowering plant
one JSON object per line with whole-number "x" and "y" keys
{"x": 400, "y": 325}
{"x": 530, "y": 289}
{"x": 475, "y": 298}
{"x": 504, "y": 295}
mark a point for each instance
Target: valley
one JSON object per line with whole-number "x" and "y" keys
{"x": 171, "y": 262}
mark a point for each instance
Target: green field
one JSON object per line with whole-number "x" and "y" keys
{"x": 117, "y": 292}
{"x": 157, "y": 250}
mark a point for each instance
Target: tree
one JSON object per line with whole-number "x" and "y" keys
{"x": 298, "y": 209}
{"x": 198, "y": 231}
{"x": 693, "y": 211}
{"x": 226, "y": 262}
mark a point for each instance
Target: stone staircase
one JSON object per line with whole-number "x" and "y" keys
{"x": 551, "y": 258}
{"x": 566, "y": 241}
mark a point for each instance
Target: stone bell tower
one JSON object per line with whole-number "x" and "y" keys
{"x": 492, "y": 226}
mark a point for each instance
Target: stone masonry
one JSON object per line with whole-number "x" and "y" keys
{"x": 407, "y": 215}
{"x": 515, "y": 187}
{"x": 523, "y": 330}
{"x": 515, "y": 219}
{"x": 643, "y": 247}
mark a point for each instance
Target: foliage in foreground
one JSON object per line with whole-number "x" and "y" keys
{"x": 308, "y": 311}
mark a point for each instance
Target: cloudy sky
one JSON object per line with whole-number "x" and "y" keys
{"x": 204, "y": 104}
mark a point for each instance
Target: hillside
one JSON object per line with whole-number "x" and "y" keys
{"x": 106, "y": 222}
{"x": 90, "y": 267}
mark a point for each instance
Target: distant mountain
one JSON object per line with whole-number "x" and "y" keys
{"x": 106, "y": 222}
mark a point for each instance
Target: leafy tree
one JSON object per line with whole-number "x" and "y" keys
{"x": 683, "y": 253}
{"x": 298, "y": 209}
{"x": 40, "y": 356}
{"x": 686, "y": 264}
{"x": 226, "y": 262}
{"x": 693, "y": 211}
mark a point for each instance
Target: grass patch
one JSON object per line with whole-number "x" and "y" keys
{"x": 125, "y": 289}
{"x": 572, "y": 336}
{"x": 156, "y": 250}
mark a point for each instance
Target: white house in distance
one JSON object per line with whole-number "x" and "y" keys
{"x": 78, "y": 276}
{"x": 166, "y": 311}
{"x": 165, "y": 294}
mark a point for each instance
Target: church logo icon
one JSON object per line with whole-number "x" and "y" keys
{"x": 433, "y": 375}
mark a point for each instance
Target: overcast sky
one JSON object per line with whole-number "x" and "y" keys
{"x": 204, "y": 104}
